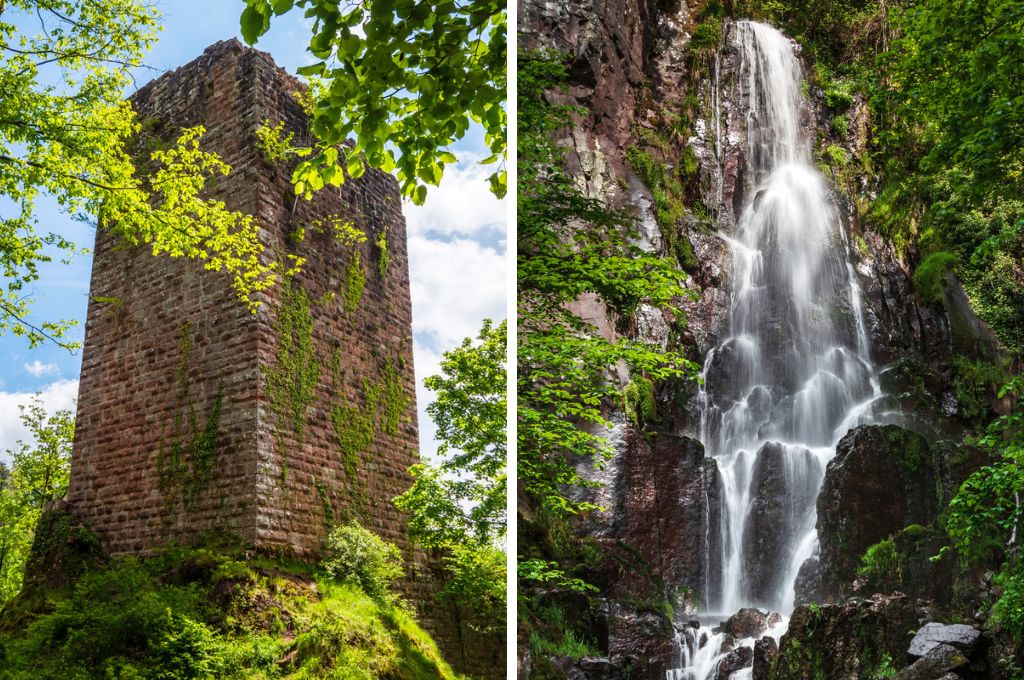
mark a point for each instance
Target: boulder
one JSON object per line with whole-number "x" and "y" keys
{"x": 736, "y": 660}
{"x": 808, "y": 582}
{"x": 881, "y": 480}
{"x": 746, "y": 623}
{"x": 663, "y": 517}
{"x": 857, "y": 639}
{"x": 933, "y": 638}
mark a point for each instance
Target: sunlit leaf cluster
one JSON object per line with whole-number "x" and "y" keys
{"x": 67, "y": 133}
{"x": 401, "y": 80}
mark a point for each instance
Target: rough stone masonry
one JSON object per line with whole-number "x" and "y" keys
{"x": 199, "y": 420}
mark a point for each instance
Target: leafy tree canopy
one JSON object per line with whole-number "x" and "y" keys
{"x": 66, "y": 132}
{"x": 458, "y": 504}
{"x": 38, "y": 474}
{"x": 402, "y": 79}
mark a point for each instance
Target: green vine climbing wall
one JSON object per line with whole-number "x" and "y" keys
{"x": 293, "y": 377}
{"x": 190, "y": 474}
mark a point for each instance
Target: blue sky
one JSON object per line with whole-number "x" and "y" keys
{"x": 456, "y": 240}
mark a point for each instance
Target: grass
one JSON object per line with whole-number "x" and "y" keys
{"x": 199, "y": 614}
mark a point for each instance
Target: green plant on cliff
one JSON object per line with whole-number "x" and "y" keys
{"x": 457, "y": 505}
{"x": 38, "y": 474}
{"x": 293, "y": 376}
{"x": 206, "y": 613}
{"x": 950, "y": 139}
{"x": 572, "y": 246}
{"x": 403, "y": 81}
{"x": 67, "y": 132}
{"x": 986, "y": 517}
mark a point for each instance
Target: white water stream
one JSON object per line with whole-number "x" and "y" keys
{"x": 792, "y": 372}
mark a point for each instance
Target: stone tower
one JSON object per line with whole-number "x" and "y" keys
{"x": 197, "y": 417}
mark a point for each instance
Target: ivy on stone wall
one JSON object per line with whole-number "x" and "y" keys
{"x": 355, "y": 280}
{"x": 383, "y": 256}
{"x": 384, "y": 403}
{"x": 293, "y": 377}
{"x": 192, "y": 473}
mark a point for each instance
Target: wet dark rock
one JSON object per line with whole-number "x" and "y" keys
{"x": 746, "y": 623}
{"x": 807, "y": 587}
{"x": 640, "y": 639}
{"x": 765, "y": 650}
{"x": 737, "y": 659}
{"x": 881, "y": 480}
{"x": 932, "y": 636}
{"x": 779, "y": 504}
{"x": 923, "y": 669}
{"x": 663, "y": 516}
{"x": 854, "y": 640}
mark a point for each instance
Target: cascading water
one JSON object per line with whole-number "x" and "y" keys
{"x": 792, "y": 373}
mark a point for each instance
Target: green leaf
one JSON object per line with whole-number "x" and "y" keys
{"x": 254, "y": 22}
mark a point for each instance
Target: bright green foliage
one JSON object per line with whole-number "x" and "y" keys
{"x": 882, "y": 562}
{"x": 38, "y": 474}
{"x": 292, "y": 378}
{"x": 383, "y": 256}
{"x": 639, "y": 403}
{"x": 470, "y": 414}
{"x": 458, "y": 504}
{"x": 362, "y": 558}
{"x": 986, "y": 517}
{"x": 201, "y": 614}
{"x": 571, "y": 245}
{"x": 78, "y": 142}
{"x": 950, "y": 131}
{"x": 571, "y": 645}
{"x": 403, "y": 80}
{"x": 355, "y": 281}
{"x": 930, "y": 274}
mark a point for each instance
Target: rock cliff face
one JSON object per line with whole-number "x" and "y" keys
{"x": 646, "y": 85}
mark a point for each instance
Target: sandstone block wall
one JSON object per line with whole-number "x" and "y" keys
{"x": 196, "y": 415}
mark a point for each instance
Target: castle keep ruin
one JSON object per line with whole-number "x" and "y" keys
{"x": 197, "y": 417}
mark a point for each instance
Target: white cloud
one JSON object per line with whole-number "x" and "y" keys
{"x": 38, "y": 369}
{"x": 463, "y": 205}
{"x": 455, "y": 285}
{"x": 55, "y": 396}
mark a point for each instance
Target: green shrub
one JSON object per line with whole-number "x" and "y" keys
{"x": 836, "y": 156}
{"x": 355, "y": 555}
{"x": 841, "y": 126}
{"x": 929, "y": 275}
{"x": 639, "y": 402}
{"x": 881, "y": 564}
{"x": 707, "y": 34}
{"x": 975, "y": 384}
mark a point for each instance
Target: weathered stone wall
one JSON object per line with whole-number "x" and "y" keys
{"x": 167, "y": 340}
{"x": 197, "y": 417}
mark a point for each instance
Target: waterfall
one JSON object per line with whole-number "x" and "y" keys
{"x": 792, "y": 371}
